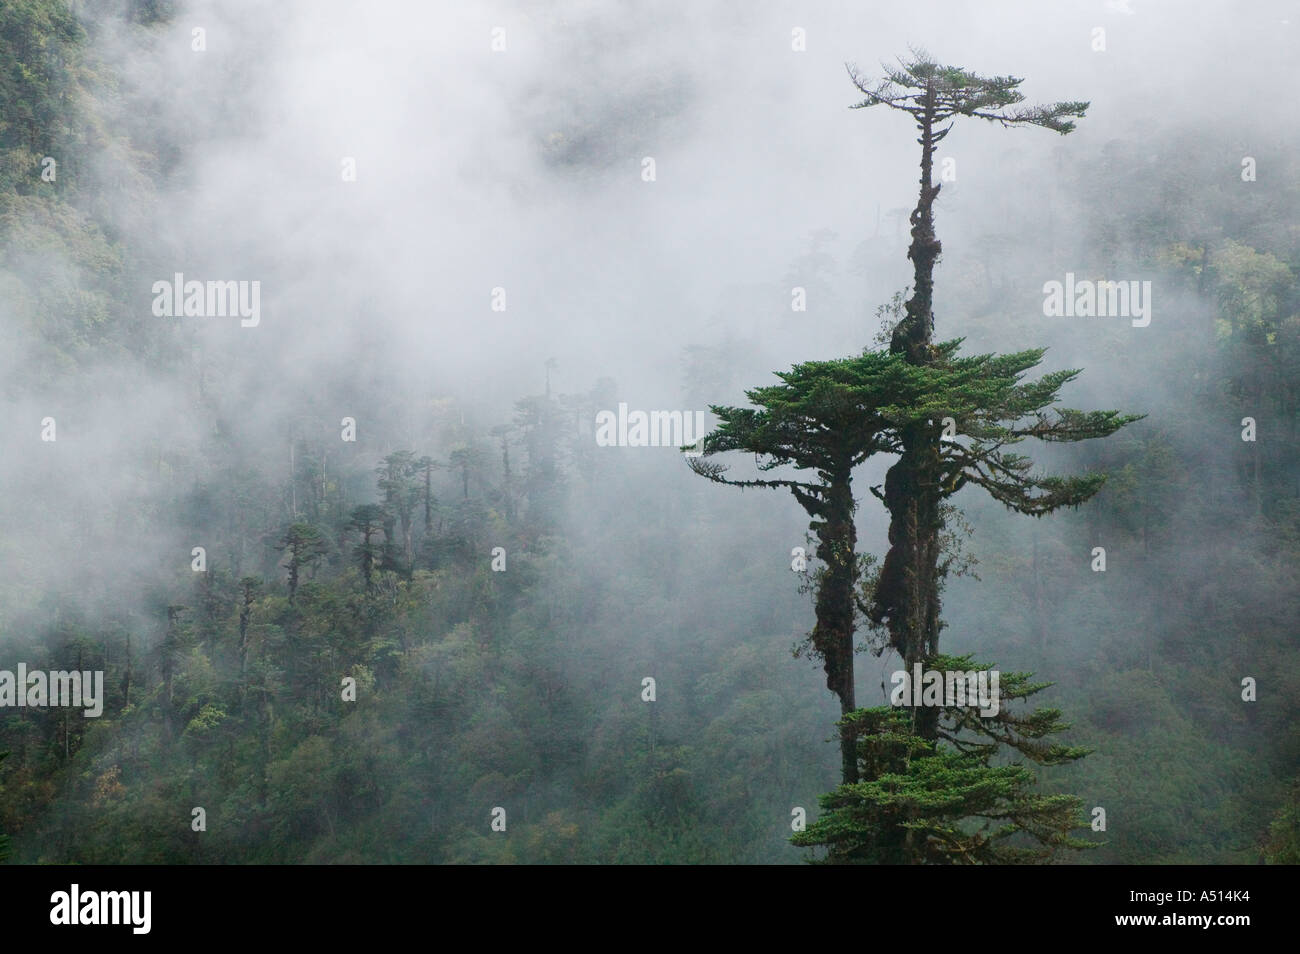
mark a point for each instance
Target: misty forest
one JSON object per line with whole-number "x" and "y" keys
{"x": 603, "y": 433}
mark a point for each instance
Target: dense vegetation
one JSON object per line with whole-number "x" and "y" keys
{"x": 522, "y": 688}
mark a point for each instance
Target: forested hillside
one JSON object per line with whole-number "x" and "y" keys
{"x": 390, "y": 632}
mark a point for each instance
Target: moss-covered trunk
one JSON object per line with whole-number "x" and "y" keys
{"x": 907, "y": 595}
{"x": 832, "y": 635}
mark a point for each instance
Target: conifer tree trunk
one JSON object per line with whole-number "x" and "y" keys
{"x": 837, "y": 549}
{"x": 908, "y": 592}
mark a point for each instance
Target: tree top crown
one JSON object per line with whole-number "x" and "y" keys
{"x": 927, "y": 89}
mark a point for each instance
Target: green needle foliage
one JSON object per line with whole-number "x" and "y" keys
{"x": 994, "y": 411}
{"x": 922, "y": 801}
{"x": 928, "y": 90}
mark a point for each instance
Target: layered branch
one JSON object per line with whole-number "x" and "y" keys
{"x": 934, "y": 93}
{"x": 944, "y": 801}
